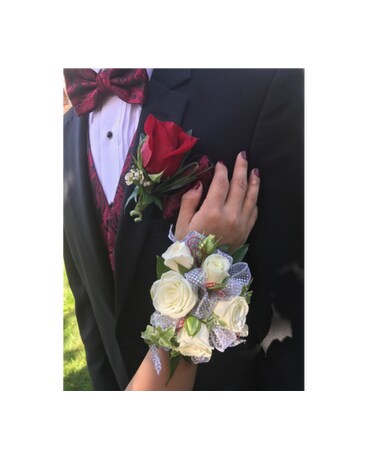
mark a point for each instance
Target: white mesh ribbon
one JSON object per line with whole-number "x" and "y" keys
{"x": 222, "y": 338}
{"x": 239, "y": 276}
{"x": 240, "y": 271}
{"x": 171, "y": 234}
{"x": 233, "y": 288}
{"x": 196, "y": 277}
{"x": 155, "y": 359}
{"x": 163, "y": 321}
{"x": 200, "y": 359}
{"x": 205, "y": 305}
{"x": 238, "y": 341}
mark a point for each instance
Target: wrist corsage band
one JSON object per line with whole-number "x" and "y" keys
{"x": 201, "y": 300}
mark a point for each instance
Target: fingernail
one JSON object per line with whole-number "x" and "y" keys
{"x": 221, "y": 163}
{"x": 256, "y": 171}
{"x": 197, "y": 185}
{"x": 243, "y": 153}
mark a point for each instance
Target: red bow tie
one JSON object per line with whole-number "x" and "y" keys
{"x": 87, "y": 89}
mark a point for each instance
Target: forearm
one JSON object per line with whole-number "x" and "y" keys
{"x": 146, "y": 378}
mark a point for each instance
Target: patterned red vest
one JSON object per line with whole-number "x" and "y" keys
{"x": 109, "y": 215}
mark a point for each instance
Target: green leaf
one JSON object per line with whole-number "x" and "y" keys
{"x": 163, "y": 342}
{"x": 180, "y": 172}
{"x": 246, "y": 293}
{"x": 156, "y": 178}
{"x": 183, "y": 270}
{"x": 138, "y": 161}
{"x": 166, "y": 334}
{"x": 212, "y": 321}
{"x": 161, "y": 267}
{"x": 145, "y": 198}
{"x": 148, "y": 335}
{"x": 239, "y": 254}
{"x": 157, "y": 202}
{"x": 173, "y": 362}
{"x": 246, "y": 287}
{"x": 192, "y": 325}
{"x": 158, "y": 336}
{"x": 209, "y": 244}
{"x": 248, "y": 297}
{"x": 142, "y": 139}
{"x": 133, "y": 196}
{"x": 142, "y": 136}
{"x": 165, "y": 187}
{"x": 174, "y": 353}
{"x": 224, "y": 248}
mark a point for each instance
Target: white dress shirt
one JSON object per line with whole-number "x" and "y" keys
{"x": 111, "y": 130}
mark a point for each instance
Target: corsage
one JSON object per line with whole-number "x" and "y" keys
{"x": 201, "y": 300}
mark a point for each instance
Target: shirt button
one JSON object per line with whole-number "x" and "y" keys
{"x": 109, "y": 134}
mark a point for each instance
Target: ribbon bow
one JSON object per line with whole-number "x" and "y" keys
{"x": 87, "y": 89}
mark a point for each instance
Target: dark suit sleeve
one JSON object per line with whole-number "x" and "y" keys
{"x": 98, "y": 363}
{"x": 277, "y": 242}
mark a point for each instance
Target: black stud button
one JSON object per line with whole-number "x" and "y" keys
{"x": 109, "y": 134}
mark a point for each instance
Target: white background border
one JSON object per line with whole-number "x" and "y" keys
{"x": 41, "y": 420}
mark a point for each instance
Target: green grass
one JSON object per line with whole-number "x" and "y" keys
{"x": 76, "y": 377}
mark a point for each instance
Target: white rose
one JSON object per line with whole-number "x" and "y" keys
{"x": 178, "y": 253}
{"x": 172, "y": 295}
{"x": 216, "y": 268}
{"x": 197, "y": 345}
{"x": 233, "y": 313}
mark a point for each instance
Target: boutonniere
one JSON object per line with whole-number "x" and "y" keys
{"x": 161, "y": 171}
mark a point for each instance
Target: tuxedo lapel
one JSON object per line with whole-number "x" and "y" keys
{"x": 79, "y": 212}
{"x": 168, "y": 105}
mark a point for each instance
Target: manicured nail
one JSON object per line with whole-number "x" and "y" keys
{"x": 243, "y": 153}
{"x": 197, "y": 185}
{"x": 256, "y": 171}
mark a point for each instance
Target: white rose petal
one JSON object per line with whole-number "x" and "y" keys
{"x": 216, "y": 268}
{"x": 197, "y": 345}
{"x": 172, "y": 295}
{"x": 233, "y": 313}
{"x": 178, "y": 253}
{"x": 245, "y": 331}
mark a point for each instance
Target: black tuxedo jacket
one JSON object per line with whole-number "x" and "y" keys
{"x": 259, "y": 110}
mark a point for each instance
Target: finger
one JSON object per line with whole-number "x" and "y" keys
{"x": 238, "y": 184}
{"x": 252, "y": 219}
{"x": 251, "y": 222}
{"x": 217, "y": 193}
{"x": 251, "y": 195}
{"x": 188, "y": 207}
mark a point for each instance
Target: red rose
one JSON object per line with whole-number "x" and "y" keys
{"x": 165, "y": 147}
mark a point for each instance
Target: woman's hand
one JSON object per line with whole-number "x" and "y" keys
{"x": 229, "y": 210}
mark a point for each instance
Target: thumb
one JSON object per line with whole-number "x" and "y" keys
{"x": 188, "y": 207}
